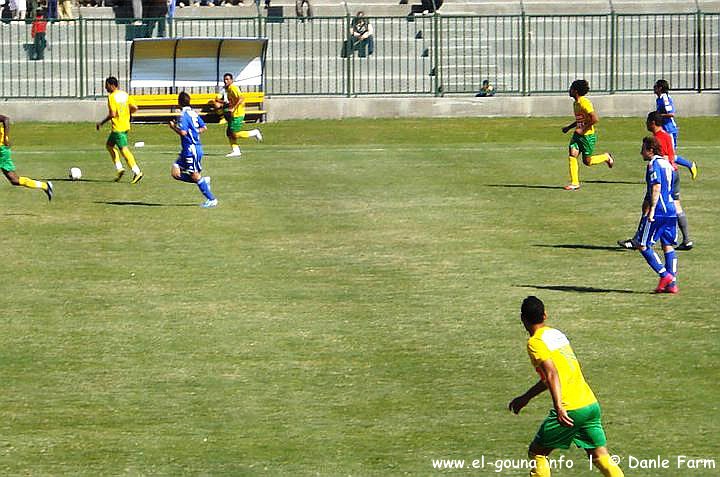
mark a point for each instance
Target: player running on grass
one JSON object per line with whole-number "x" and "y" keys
{"x": 584, "y": 138}
{"x": 235, "y": 116}
{"x": 576, "y": 417}
{"x": 8, "y": 166}
{"x": 120, "y": 107}
{"x": 188, "y": 165}
{"x": 665, "y": 106}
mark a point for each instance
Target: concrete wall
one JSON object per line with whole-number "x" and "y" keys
{"x": 284, "y": 108}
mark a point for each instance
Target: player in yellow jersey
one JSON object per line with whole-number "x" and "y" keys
{"x": 234, "y": 106}
{"x": 576, "y": 417}
{"x": 8, "y": 166}
{"x": 120, "y": 107}
{"x": 583, "y": 139}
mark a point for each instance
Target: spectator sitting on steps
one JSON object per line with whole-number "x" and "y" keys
{"x": 486, "y": 90}
{"x": 362, "y": 32}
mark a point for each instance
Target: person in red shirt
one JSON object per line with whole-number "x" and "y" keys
{"x": 38, "y": 32}
{"x": 654, "y": 125}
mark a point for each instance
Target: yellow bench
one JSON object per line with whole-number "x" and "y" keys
{"x": 161, "y": 107}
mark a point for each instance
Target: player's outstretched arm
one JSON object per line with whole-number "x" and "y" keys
{"x": 521, "y": 401}
{"x": 569, "y": 127}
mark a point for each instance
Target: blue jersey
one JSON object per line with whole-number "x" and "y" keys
{"x": 665, "y": 105}
{"x": 191, "y": 123}
{"x": 660, "y": 171}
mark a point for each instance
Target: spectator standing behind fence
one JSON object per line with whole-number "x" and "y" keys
{"x": 66, "y": 12}
{"x": 38, "y": 32}
{"x": 21, "y": 6}
{"x": 32, "y": 9}
{"x": 302, "y": 12}
{"x": 52, "y": 10}
{"x": 362, "y": 35}
{"x": 486, "y": 90}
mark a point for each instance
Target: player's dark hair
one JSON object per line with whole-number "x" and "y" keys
{"x": 663, "y": 85}
{"x": 532, "y": 310}
{"x": 184, "y": 99}
{"x": 654, "y": 117}
{"x": 228, "y": 74}
{"x": 652, "y": 144}
{"x": 581, "y": 86}
{"x": 112, "y": 81}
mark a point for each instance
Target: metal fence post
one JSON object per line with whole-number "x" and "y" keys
{"x": 80, "y": 48}
{"x": 523, "y": 52}
{"x": 348, "y": 54}
{"x": 699, "y": 44}
{"x": 613, "y": 52}
{"x": 438, "y": 88}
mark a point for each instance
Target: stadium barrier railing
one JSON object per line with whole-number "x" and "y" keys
{"x": 416, "y": 55}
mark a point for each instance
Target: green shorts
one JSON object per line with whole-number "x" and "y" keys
{"x": 235, "y": 126}
{"x": 118, "y": 138}
{"x": 586, "y": 433}
{"x": 585, "y": 143}
{"x": 6, "y": 162}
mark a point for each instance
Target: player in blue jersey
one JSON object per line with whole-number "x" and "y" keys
{"x": 666, "y": 107}
{"x": 659, "y": 219}
{"x": 187, "y": 167}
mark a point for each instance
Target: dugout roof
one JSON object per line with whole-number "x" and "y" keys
{"x": 187, "y": 62}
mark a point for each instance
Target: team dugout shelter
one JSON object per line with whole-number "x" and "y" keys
{"x": 195, "y": 65}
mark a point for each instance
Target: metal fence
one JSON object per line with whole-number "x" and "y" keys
{"x": 416, "y": 55}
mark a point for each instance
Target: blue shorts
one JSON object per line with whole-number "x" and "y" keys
{"x": 662, "y": 228}
{"x": 190, "y": 160}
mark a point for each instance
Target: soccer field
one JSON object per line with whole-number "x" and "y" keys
{"x": 352, "y": 305}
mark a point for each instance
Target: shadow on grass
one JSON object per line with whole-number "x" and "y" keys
{"x": 614, "y": 182}
{"x": 65, "y": 179}
{"x": 524, "y": 186}
{"x": 143, "y": 204}
{"x": 577, "y": 289}
{"x": 585, "y": 247}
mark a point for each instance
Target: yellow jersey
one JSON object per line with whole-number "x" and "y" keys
{"x": 119, "y": 101}
{"x": 233, "y": 94}
{"x": 583, "y": 108}
{"x": 2, "y": 134}
{"x": 551, "y": 344}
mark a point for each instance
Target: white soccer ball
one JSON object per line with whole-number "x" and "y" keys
{"x": 75, "y": 173}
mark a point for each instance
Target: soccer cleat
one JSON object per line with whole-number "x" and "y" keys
{"x": 49, "y": 191}
{"x": 209, "y": 204}
{"x": 610, "y": 161}
{"x": 234, "y": 154}
{"x": 136, "y": 178}
{"x": 693, "y": 171}
{"x": 672, "y": 288}
{"x": 628, "y": 244}
{"x": 258, "y": 136}
{"x": 119, "y": 174}
{"x": 664, "y": 282}
{"x": 572, "y": 187}
{"x": 685, "y": 245}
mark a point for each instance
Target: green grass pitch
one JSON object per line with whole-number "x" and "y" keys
{"x": 352, "y": 305}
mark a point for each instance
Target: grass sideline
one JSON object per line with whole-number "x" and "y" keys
{"x": 350, "y": 308}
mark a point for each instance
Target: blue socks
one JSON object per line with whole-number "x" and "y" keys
{"x": 671, "y": 262}
{"x": 683, "y": 162}
{"x": 204, "y": 186}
